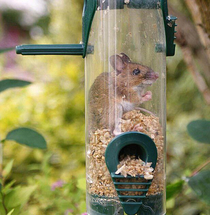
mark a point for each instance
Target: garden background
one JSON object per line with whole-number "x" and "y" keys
{"x": 52, "y": 181}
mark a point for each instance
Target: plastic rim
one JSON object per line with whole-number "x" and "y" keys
{"x": 143, "y": 144}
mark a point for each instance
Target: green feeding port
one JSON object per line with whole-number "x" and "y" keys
{"x": 141, "y": 146}
{"x": 90, "y": 7}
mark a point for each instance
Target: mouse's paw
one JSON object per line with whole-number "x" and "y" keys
{"x": 117, "y": 132}
{"x": 147, "y": 96}
{"x": 138, "y": 127}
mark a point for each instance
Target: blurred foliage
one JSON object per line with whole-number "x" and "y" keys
{"x": 174, "y": 189}
{"x": 28, "y": 137}
{"x": 200, "y": 130}
{"x": 54, "y": 104}
{"x": 6, "y": 50}
{"x": 200, "y": 183}
{"x": 12, "y": 83}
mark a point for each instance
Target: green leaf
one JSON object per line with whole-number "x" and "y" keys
{"x": 200, "y": 130}
{"x": 81, "y": 183}
{"x": 173, "y": 189}
{"x": 8, "y": 169}
{"x": 82, "y": 205}
{"x": 19, "y": 196}
{"x": 16, "y": 211}
{"x": 12, "y": 83}
{"x": 10, "y": 213}
{"x": 2, "y": 210}
{"x": 7, "y": 186}
{"x": 28, "y": 137}
{"x": 200, "y": 184}
{"x": 6, "y": 50}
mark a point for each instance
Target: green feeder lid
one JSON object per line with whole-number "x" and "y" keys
{"x": 89, "y": 9}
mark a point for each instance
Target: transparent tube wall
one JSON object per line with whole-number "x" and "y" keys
{"x": 126, "y": 72}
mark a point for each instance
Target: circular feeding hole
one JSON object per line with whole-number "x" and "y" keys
{"x": 133, "y": 150}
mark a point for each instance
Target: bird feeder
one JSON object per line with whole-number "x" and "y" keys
{"x": 125, "y": 44}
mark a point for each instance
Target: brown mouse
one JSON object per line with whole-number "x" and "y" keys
{"x": 114, "y": 93}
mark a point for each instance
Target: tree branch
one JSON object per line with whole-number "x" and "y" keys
{"x": 197, "y": 170}
{"x": 189, "y": 41}
{"x": 198, "y": 79}
{"x": 3, "y": 203}
{"x": 200, "y": 13}
{"x": 204, "y": 7}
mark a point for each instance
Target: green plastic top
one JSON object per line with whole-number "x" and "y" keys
{"x": 90, "y": 7}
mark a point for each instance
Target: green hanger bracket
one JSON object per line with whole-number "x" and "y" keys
{"x": 62, "y": 49}
{"x": 89, "y": 9}
{"x": 141, "y": 146}
{"x": 170, "y": 24}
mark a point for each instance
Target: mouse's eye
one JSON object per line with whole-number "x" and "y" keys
{"x": 136, "y": 72}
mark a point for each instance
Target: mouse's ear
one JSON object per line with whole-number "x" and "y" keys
{"x": 125, "y": 58}
{"x": 117, "y": 63}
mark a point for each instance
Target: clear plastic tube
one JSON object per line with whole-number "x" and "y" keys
{"x": 125, "y": 91}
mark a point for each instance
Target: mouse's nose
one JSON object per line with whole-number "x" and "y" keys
{"x": 151, "y": 75}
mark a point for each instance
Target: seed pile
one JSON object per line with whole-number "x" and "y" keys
{"x": 134, "y": 167}
{"x": 98, "y": 177}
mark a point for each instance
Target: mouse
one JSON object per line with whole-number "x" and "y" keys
{"x": 114, "y": 93}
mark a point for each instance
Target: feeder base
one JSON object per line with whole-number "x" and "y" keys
{"x": 101, "y": 205}
{"x": 152, "y": 205}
